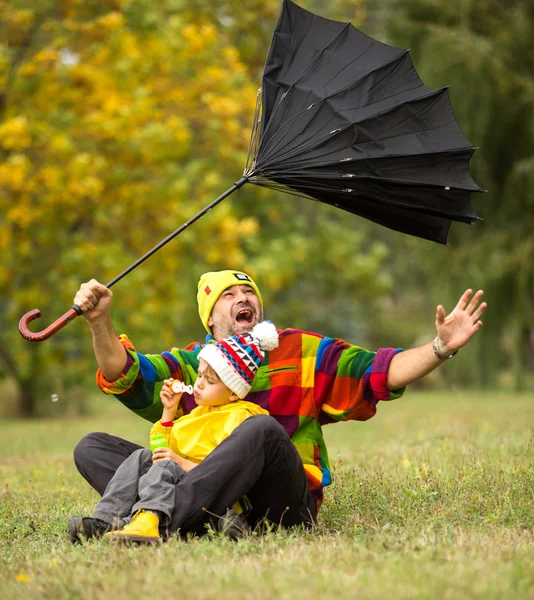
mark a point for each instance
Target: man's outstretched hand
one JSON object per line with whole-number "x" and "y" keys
{"x": 454, "y": 331}
{"x": 457, "y": 328}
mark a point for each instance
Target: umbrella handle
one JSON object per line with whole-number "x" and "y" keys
{"x": 58, "y": 324}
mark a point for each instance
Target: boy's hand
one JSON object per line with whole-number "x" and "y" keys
{"x": 168, "y": 398}
{"x": 168, "y": 454}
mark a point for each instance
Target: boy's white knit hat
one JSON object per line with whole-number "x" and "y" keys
{"x": 236, "y": 359}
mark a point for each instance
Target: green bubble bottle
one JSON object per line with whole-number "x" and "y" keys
{"x": 158, "y": 441}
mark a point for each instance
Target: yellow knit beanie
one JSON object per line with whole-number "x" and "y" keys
{"x": 213, "y": 284}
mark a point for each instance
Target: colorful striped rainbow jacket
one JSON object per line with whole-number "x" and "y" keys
{"x": 307, "y": 382}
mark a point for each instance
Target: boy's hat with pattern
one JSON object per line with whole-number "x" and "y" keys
{"x": 213, "y": 284}
{"x": 236, "y": 359}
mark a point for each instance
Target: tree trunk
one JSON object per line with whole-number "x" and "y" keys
{"x": 521, "y": 323}
{"x": 520, "y": 354}
{"x": 27, "y": 402}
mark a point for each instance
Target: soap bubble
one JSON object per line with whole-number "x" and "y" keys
{"x": 54, "y": 397}
{"x": 178, "y": 386}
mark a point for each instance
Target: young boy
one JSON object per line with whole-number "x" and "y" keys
{"x": 144, "y": 484}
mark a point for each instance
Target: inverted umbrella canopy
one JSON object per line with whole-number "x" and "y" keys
{"x": 345, "y": 120}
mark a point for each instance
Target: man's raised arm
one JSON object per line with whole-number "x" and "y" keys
{"x": 95, "y": 301}
{"x": 453, "y": 332}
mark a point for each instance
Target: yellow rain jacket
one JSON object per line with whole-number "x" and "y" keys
{"x": 195, "y": 435}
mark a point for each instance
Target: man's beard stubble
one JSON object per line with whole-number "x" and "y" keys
{"x": 227, "y": 326}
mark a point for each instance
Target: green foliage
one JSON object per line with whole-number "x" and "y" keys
{"x": 120, "y": 120}
{"x": 482, "y": 49}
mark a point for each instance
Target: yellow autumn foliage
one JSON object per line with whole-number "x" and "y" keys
{"x": 122, "y": 121}
{"x": 107, "y": 145}
{"x": 14, "y": 134}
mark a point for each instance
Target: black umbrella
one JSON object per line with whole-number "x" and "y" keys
{"x": 346, "y": 120}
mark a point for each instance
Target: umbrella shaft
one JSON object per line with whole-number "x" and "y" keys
{"x": 206, "y": 209}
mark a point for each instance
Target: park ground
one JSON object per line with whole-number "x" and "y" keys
{"x": 432, "y": 498}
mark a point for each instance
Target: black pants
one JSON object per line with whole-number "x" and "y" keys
{"x": 257, "y": 460}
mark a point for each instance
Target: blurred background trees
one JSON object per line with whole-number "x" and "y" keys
{"x": 484, "y": 49}
{"x": 121, "y": 119}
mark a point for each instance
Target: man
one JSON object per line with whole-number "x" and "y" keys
{"x": 280, "y": 465}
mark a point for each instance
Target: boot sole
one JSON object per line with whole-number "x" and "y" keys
{"x": 78, "y": 533}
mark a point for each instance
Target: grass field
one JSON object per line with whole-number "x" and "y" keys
{"x": 433, "y": 498}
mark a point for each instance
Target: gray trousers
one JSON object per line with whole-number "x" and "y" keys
{"x": 138, "y": 484}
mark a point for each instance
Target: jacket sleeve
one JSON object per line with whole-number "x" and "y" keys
{"x": 159, "y": 429}
{"x": 350, "y": 381}
{"x": 140, "y": 382}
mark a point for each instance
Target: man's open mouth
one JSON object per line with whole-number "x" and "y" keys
{"x": 245, "y": 316}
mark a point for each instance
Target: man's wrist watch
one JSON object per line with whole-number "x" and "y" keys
{"x": 437, "y": 351}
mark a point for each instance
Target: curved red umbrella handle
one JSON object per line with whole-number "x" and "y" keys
{"x": 58, "y": 324}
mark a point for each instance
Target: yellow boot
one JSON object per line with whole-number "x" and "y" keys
{"x": 142, "y": 529}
